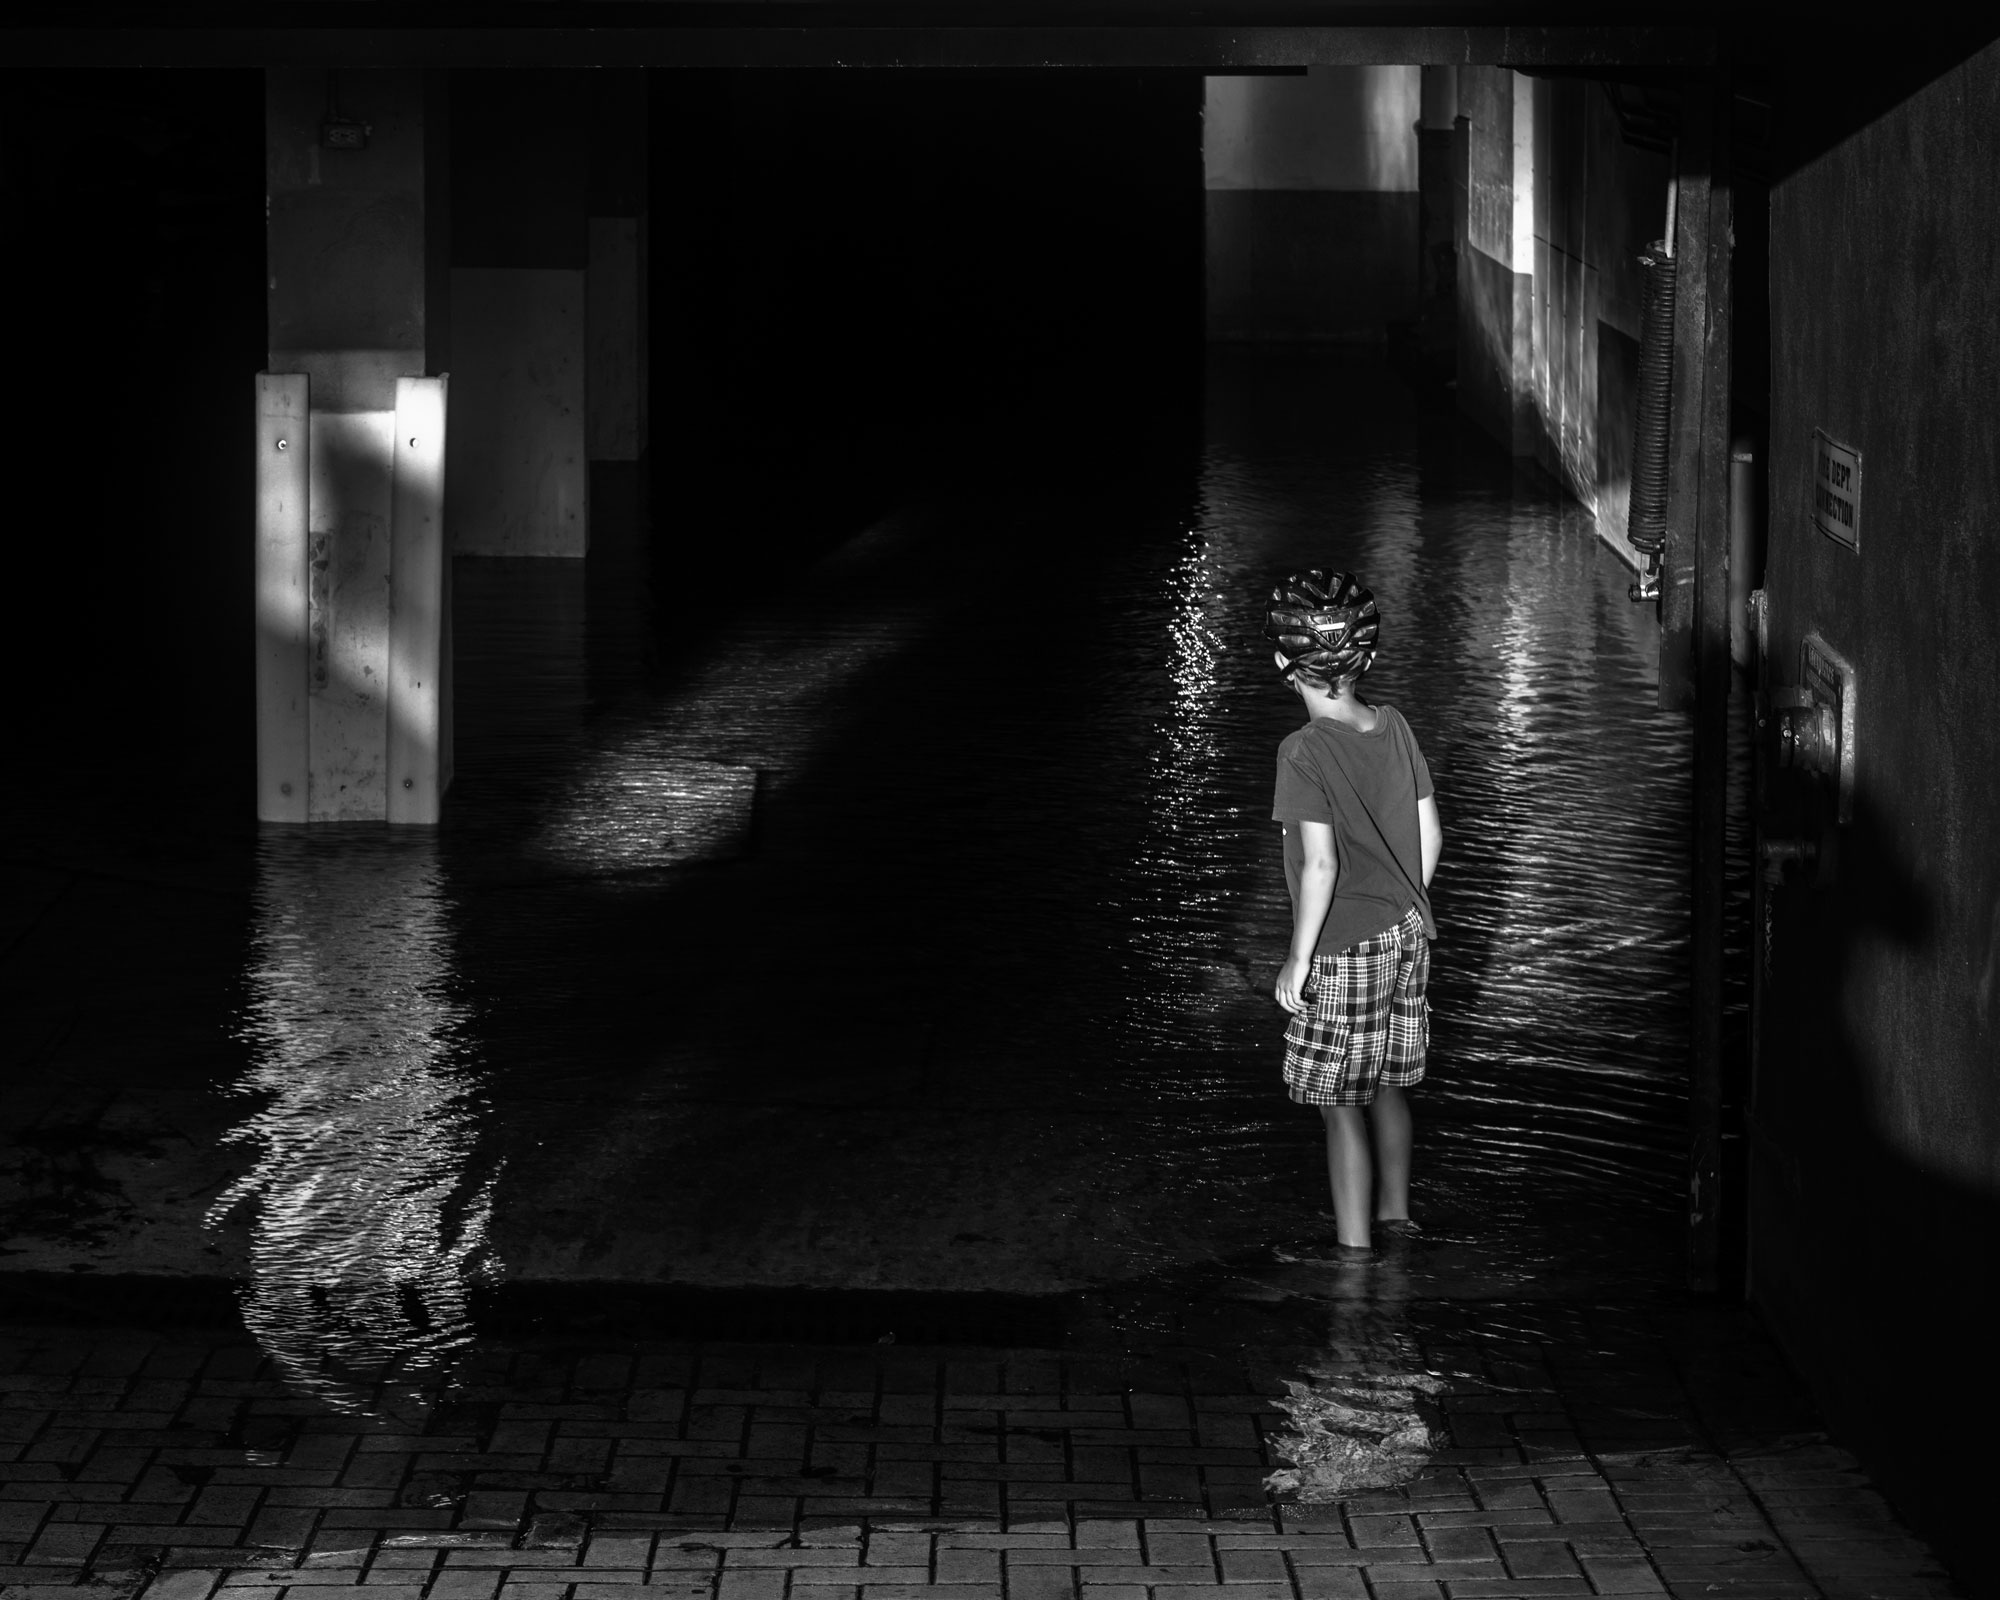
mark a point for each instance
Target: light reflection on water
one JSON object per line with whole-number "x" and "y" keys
{"x": 1012, "y": 861}
{"x": 369, "y": 1211}
{"x": 1559, "y": 979}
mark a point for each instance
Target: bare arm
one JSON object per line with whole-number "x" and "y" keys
{"x": 1430, "y": 835}
{"x": 1317, "y": 872}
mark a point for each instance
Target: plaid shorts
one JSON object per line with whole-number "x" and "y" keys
{"x": 1366, "y": 1021}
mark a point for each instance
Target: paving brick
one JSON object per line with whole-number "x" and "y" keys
{"x": 404, "y": 1560}
{"x": 904, "y": 1478}
{"x": 70, "y": 1542}
{"x": 617, "y": 1550}
{"x": 986, "y": 1539}
{"x": 461, "y": 1584}
{"x": 891, "y": 1549}
{"x": 323, "y": 1452}
{"x": 816, "y": 1579}
{"x": 1062, "y": 1555}
{"x": 1132, "y": 1572}
{"x": 225, "y": 1504}
{"x": 1175, "y": 1549}
{"x": 1501, "y": 1520}
{"x": 336, "y": 1578}
{"x": 696, "y": 1494}
{"x": 190, "y": 1584}
{"x": 1331, "y": 1583}
{"x": 1541, "y": 1559}
{"x": 1234, "y": 1591}
{"x": 1461, "y": 1544}
{"x": 1579, "y": 1505}
{"x": 19, "y": 1520}
{"x": 1038, "y": 1582}
{"x": 958, "y": 1566}
{"x": 766, "y": 1584}
{"x": 1248, "y": 1566}
{"x": 911, "y": 1591}
{"x": 1378, "y": 1532}
{"x": 1617, "y": 1575}
{"x": 835, "y": 1557}
{"x": 1510, "y": 1494}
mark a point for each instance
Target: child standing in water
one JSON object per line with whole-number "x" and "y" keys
{"x": 1362, "y": 839}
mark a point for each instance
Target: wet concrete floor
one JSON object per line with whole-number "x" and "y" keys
{"x": 918, "y": 933}
{"x": 904, "y": 931}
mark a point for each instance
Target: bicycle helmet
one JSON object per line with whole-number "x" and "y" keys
{"x": 1325, "y": 623}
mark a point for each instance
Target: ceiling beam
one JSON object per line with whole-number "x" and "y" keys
{"x": 1204, "y": 48}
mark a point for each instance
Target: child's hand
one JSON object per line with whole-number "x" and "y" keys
{"x": 1292, "y": 979}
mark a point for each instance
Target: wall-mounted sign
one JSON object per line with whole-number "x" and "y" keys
{"x": 1836, "y": 491}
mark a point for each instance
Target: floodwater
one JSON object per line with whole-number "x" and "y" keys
{"x": 906, "y": 920}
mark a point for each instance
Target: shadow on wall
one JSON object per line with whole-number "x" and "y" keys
{"x": 1853, "y": 1232}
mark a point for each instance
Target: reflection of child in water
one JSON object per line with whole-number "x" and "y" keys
{"x": 1362, "y": 839}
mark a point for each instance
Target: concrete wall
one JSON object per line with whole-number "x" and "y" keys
{"x": 1877, "y": 1094}
{"x": 1311, "y": 203}
{"x": 1551, "y": 208}
{"x": 517, "y": 460}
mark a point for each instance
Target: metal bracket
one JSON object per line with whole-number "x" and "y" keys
{"x": 1828, "y": 677}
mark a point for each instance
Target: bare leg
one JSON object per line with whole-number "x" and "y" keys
{"x": 1350, "y": 1172}
{"x": 1390, "y": 1116}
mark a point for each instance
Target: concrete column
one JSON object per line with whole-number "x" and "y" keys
{"x": 1495, "y": 359}
{"x": 1526, "y": 423}
{"x": 615, "y": 291}
{"x": 1437, "y": 252}
{"x": 419, "y": 671}
{"x": 520, "y": 233}
{"x": 283, "y": 407}
{"x": 352, "y": 245}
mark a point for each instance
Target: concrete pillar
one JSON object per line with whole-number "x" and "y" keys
{"x": 518, "y": 460}
{"x": 419, "y": 669}
{"x": 1526, "y": 429}
{"x": 615, "y": 291}
{"x": 352, "y": 251}
{"x": 1494, "y": 222}
{"x": 283, "y": 617}
{"x": 1437, "y": 253}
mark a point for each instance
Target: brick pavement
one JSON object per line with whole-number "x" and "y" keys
{"x": 181, "y": 1467}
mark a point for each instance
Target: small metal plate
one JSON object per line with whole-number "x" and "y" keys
{"x": 1827, "y": 676}
{"x": 1837, "y": 490}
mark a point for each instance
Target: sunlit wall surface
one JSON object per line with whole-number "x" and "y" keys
{"x": 368, "y": 1206}
{"x": 1311, "y": 203}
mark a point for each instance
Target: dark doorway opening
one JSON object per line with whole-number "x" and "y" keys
{"x": 864, "y": 282}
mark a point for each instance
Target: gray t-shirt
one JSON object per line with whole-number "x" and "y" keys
{"x": 1366, "y": 785}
